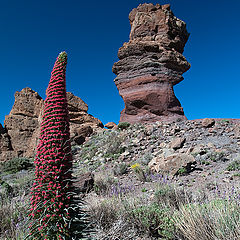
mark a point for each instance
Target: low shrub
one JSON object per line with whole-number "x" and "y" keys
{"x": 104, "y": 213}
{"x": 217, "y": 156}
{"x": 234, "y": 166}
{"x": 6, "y": 189}
{"x": 137, "y": 169}
{"x": 16, "y": 164}
{"x": 123, "y": 125}
{"x": 12, "y": 218}
{"x": 216, "y": 219}
{"x": 169, "y": 196}
{"x": 152, "y": 219}
{"x": 120, "y": 169}
{"x": 103, "y": 184}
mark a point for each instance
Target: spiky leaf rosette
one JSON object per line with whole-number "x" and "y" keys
{"x": 52, "y": 198}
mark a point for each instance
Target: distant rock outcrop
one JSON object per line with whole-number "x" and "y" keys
{"x": 23, "y": 121}
{"x": 20, "y": 135}
{"x": 150, "y": 64}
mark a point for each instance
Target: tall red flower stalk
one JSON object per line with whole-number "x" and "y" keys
{"x": 51, "y": 196}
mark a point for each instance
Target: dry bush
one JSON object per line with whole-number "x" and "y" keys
{"x": 122, "y": 217}
{"x": 103, "y": 183}
{"x": 215, "y": 220}
{"x": 171, "y": 196}
{"x": 104, "y": 212}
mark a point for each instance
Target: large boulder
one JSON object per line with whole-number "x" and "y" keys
{"x": 172, "y": 163}
{"x": 150, "y": 64}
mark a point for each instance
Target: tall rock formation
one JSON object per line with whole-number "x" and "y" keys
{"x": 19, "y": 137}
{"x": 150, "y": 64}
{"x": 22, "y": 122}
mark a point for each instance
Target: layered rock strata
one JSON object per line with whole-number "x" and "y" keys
{"x": 20, "y": 135}
{"x": 150, "y": 64}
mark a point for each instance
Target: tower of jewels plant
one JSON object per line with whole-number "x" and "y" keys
{"x": 55, "y": 212}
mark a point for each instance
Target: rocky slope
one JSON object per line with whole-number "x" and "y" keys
{"x": 21, "y": 131}
{"x": 196, "y": 154}
{"x": 150, "y": 64}
{"x": 141, "y": 174}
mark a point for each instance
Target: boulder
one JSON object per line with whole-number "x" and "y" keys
{"x": 172, "y": 163}
{"x": 80, "y": 133}
{"x": 208, "y": 122}
{"x": 111, "y": 125}
{"x": 237, "y": 131}
{"x": 150, "y": 64}
{"x": 178, "y": 143}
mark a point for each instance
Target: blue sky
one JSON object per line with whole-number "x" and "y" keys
{"x": 91, "y": 32}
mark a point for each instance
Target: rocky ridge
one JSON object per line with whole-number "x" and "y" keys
{"x": 19, "y": 137}
{"x": 150, "y": 64}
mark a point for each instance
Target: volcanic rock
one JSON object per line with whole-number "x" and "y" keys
{"x": 111, "y": 125}
{"x": 23, "y": 121}
{"x": 237, "y": 131}
{"x": 20, "y": 136}
{"x": 177, "y": 143}
{"x": 208, "y": 122}
{"x": 82, "y": 124}
{"x": 150, "y": 64}
{"x": 172, "y": 164}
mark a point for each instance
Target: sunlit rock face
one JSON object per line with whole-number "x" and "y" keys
{"x": 150, "y": 64}
{"x": 20, "y": 135}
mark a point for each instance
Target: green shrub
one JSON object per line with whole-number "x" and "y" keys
{"x": 182, "y": 171}
{"x": 6, "y": 188}
{"x": 139, "y": 172}
{"x": 234, "y": 166}
{"x": 217, "y": 156}
{"x": 152, "y": 219}
{"x": 17, "y": 164}
{"x": 123, "y": 125}
{"x": 120, "y": 169}
{"x": 167, "y": 195}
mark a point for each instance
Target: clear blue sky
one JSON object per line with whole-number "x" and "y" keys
{"x": 34, "y": 32}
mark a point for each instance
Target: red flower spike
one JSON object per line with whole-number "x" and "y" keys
{"x": 53, "y": 160}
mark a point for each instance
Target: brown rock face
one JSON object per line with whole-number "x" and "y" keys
{"x": 23, "y": 121}
{"x": 82, "y": 124}
{"x": 20, "y": 136}
{"x": 150, "y": 64}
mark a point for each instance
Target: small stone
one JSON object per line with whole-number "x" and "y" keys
{"x": 177, "y": 143}
{"x": 211, "y": 145}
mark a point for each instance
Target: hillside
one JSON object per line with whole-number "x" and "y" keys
{"x": 116, "y": 171}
